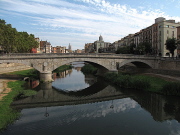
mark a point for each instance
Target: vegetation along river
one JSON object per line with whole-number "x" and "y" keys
{"x": 78, "y": 104}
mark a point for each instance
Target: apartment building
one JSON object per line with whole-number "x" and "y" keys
{"x": 45, "y": 47}
{"x": 147, "y": 35}
{"x": 136, "y": 39}
{"x": 178, "y": 38}
{"x": 156, "y": 49}
{"x": 38, "y": 49}
{"x": 166, "y": 29}
{"x": 59, "y": 49}
{"x": 156, "y": 35}
{"x": 89, "y": 48}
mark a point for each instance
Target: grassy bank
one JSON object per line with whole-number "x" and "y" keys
{"x": 89, "y": 69}
{"x": 7, "y": 114}
{"x": 32, "y": 73}
{"x": 144, "y": 82}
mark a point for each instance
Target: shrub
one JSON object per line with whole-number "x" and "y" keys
{"x": 88, "y": 68}
{"x": 171, "y": 88}
{"x": 140, "y": 83}
{"x": 110, "y": 76}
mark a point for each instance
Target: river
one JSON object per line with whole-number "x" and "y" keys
{"x": 78, "y": 104}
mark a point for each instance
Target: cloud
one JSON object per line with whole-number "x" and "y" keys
{"x": 82, "y": 17}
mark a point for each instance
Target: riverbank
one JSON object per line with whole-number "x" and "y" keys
{"x": 11, "y": 90}
{"x": 165, "y": 77}
{"x": 11, "y": 67}
{"x": 4, "y": 89}
{"x": 162, "y": 84}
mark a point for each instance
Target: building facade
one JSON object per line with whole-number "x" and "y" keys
{"x": 166, "y": 29}
{"x": 59, "y": 49}
{"x": 98, "y": 46}
{"x": 156, "y": 35}
{"x": 45, "y": 47}
{"x": 178, "y": 40}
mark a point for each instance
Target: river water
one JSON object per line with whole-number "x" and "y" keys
{"x": 78, "y": 104}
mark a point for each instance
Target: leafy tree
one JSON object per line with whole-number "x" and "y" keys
{"x": 123, "y": 50}
{"x": 148, "y": 47}
{"x": 141, "y": 48}
{"x": 12, "y": 41}
{"x": 132, "y": 48}
{"x": 171, "y": 45}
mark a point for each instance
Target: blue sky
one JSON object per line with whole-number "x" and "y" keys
{"x": 82, "y": 21}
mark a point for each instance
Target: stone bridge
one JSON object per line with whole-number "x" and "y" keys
{"x": 46, "y": 63}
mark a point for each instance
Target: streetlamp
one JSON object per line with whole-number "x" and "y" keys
{"x": 46, "y": 113}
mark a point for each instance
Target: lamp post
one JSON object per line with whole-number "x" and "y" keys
{"x": 46, "y": 113}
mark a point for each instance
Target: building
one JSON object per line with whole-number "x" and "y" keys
{"x": 156, "y": 35}
{"x": 178, "y": 39}
{"x": 166, "y": 29}
{"x": 45, "y": 47}
{"x": 38, "y": 49}
{"x": 156, "y": 49}
{"x": 79, "y": 51}
{"x": 89, "y": 48}
{"x": 59, "y": 49}
{"x": 136, "y": 40}
{"x": 69, "y": 48}
{"x": 100, "y": 45}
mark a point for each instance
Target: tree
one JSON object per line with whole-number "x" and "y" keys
{"x": 123, "y": 50}
{"x": 141, "y": 48}
{"x": 132, "y": 48}
{"x": 13, "y": 41}
{"x": 171, "y": 45}
{"x": 148, "y": 47}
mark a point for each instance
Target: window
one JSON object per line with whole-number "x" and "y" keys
{"x": 159, "y": 26}
{"x": 167, "y": 26}
{"x": 173, "y": 26}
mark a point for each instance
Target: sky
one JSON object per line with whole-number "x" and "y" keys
{"x": 77, "y": 22}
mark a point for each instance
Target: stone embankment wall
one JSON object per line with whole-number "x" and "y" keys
{"x": 11, "y": 67}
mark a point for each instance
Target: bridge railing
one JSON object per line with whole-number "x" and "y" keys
{"x": 88, "y": 55}
{"x": 50, "y": 55}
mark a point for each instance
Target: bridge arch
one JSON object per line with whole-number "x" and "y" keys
{"x": 137, "y": 63}
{"x": 46, "y": 63}
{"x": 98, "y": 64}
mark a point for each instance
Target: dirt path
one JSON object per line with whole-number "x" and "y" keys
{"x": 4, "y": 90}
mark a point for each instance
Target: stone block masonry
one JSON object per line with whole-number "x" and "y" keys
{"x": 11, "y": 67}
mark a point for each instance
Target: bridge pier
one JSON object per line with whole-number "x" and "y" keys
{"x": 46, "y": 77}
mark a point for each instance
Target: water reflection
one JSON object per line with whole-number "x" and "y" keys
{"x": 73, "y": 79}
{"x": 160, "y": 107}
{"x": 120, "y": 111}
{"x": 100, "y": 109}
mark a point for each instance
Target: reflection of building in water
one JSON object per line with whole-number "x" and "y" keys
{"x": 69, "y": 71}
{"x": 62, "y": 74}
{"x": 54, "y": 76}
{"x": 65, "y": 73}
{"x": 89, "y": 79}
{"x": 35, "y": 83}
{"x": 155, "y": 104}
{"x": 78, "y": 68}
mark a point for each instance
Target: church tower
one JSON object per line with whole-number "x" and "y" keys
{"x": 69, "y": 47}
{"x": 100, "y": 38}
